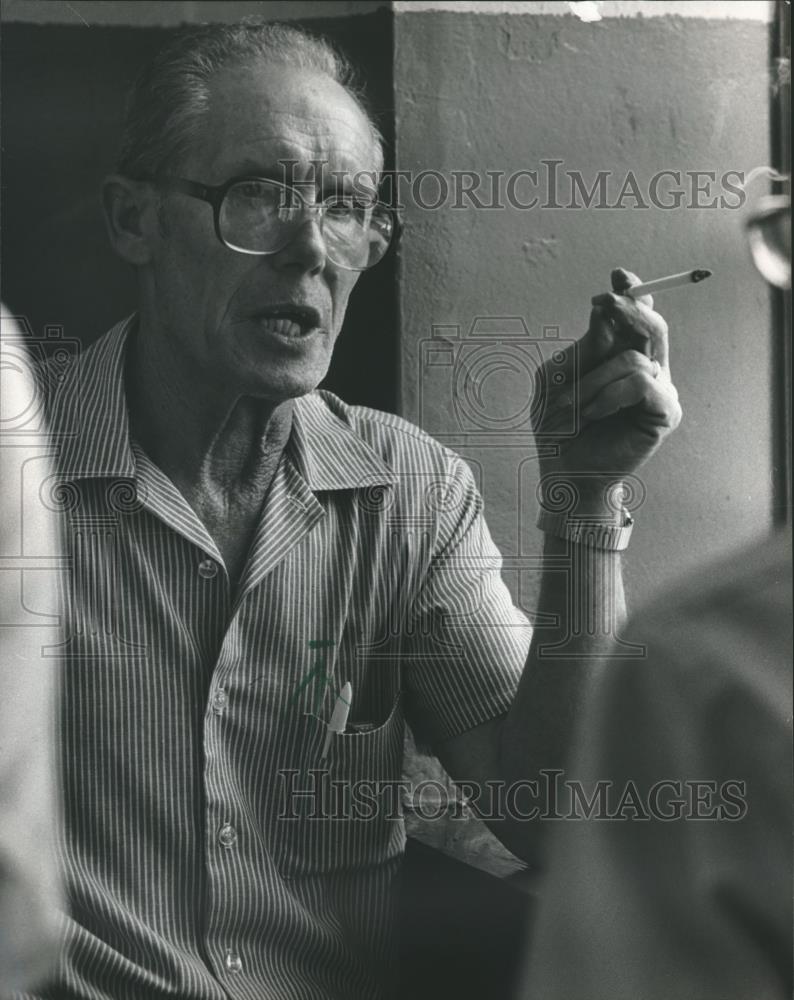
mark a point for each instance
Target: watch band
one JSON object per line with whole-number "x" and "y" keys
{"x": 591, "y": 531}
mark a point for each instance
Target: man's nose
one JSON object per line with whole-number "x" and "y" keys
{"x": 306, "y": 250}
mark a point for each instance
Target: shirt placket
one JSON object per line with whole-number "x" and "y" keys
{"x": 232, "y": 844}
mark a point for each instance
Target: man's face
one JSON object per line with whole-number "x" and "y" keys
{"x": 216, "y": 304}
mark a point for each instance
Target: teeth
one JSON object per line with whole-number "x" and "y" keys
{"x": 284, "y": 327}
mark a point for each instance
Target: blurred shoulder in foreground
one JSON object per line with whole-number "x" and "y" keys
{"x": 679, "y": 884}
{"x": 29, "y": 885}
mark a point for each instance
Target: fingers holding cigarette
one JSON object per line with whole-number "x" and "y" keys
{"x": 629, "y": 309}
{"x": 626, "y": 282}
{"x": 625, "y": 319}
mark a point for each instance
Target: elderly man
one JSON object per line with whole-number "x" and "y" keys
{"x": 244, "y": 545}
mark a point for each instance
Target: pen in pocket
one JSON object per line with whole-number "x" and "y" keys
{"x": 338, "y": 717}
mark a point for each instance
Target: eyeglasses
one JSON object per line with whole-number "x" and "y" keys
{"x": 259, "y": 216}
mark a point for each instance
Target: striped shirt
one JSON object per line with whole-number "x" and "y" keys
{"x": 208, "y": 851}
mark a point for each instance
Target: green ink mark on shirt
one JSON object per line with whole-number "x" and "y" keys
{"x": 317, "y": 674}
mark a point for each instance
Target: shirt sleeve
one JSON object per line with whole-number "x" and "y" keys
{"x": 670, "y": 879}
{"x": 468, "y": 643}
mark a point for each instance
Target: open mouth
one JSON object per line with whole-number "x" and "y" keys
{"x": 289, "y": 320}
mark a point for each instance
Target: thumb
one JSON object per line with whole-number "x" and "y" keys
{"x": 623, "y": 280}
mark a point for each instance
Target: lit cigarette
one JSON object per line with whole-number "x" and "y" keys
{"x": 671, "y": 281}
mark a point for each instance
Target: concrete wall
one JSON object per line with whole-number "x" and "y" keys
{"x": 481, "y": 91}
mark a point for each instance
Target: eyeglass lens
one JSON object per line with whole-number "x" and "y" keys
{"x": 260, "y": 216}
{"x": 769, "y": 236}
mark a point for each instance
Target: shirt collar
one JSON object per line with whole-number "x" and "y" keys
{"x": 325, "y": 449}
{"x": 89, "y": 411}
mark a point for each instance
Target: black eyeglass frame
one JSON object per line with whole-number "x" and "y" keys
{"x": 214, "y": 195}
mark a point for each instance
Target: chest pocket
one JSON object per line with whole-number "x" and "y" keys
{"x": 344, "y": 811}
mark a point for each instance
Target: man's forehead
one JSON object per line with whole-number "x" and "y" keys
{"x": 267, "y": 115}
{"x": 281, "y": 136}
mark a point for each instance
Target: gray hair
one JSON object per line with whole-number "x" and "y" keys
{"x": 170, "y": 97}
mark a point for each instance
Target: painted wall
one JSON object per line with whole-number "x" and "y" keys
{"x": 502, "y": 92}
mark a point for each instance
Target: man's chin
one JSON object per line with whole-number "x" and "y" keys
{"x": 271, "y": 374}
{"x": 285, "y": 385}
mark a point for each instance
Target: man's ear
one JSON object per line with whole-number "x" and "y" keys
{"x": 130, "y": 217}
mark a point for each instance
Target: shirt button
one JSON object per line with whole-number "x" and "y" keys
{"x": 233, "y": 962}
{"x": 207, "y": 569}
{"x": 227, "y": 835}
{"x": 219, "y": 701}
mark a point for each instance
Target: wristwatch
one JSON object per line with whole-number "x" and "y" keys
{"x": 589, "y": 531}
